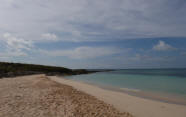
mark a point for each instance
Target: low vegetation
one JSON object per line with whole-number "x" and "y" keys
{"x": 19, "y": 69}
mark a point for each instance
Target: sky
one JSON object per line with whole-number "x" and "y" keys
{"x": 94, "y": 33}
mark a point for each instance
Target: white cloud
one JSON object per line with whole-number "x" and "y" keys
{"x": 162, "y": 46}
{"x": 16, "y": 43}
{"x": 12, "y": 53}
{"x": 83, "y": 52}
{"x": 76, "y": 20}
{"x": 49, "y": 37}
{"x": 87, "y": 20}
{"x": 15, "y": 46}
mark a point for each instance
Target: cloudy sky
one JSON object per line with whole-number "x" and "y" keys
{"x": 94, "y": 33}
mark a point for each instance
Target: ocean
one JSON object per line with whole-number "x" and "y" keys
{"x": 166, "y": 82}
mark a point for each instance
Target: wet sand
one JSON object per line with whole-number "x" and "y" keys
{"x": 38, "y": 96}
{"x": 137, "y": 106}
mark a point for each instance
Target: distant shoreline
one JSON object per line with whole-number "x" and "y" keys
{"x": 22, "y": 69}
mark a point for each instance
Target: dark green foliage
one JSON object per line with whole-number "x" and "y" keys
{"x": 17, "y": 69}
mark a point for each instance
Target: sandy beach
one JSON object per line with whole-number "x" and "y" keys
{"x": 38, "y": 96}
{"x": 139, "y": 107}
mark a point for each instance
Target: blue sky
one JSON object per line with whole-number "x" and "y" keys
{"x": 94, "y": 34}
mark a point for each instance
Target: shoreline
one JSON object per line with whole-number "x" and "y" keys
{"x": 156, "y": 96}
{"x": 166, "y": 98}
{"x": 137, "y": 106}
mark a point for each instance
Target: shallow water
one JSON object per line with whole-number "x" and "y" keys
{"x": 169, "y": 82}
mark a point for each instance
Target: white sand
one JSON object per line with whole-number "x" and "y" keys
{"x": 38, "y": 96}
{"x": 139, "y": 107}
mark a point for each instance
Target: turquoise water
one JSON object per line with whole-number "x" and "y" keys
{"x": 166, "y": 81}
